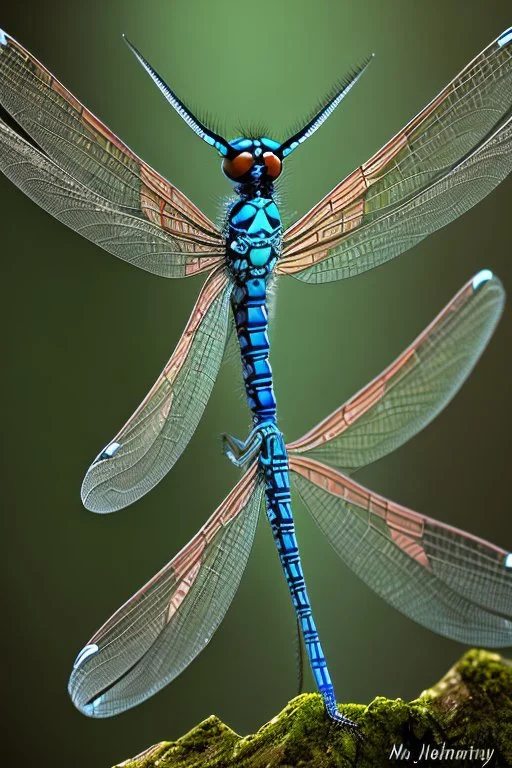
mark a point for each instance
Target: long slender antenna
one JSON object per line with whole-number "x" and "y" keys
{"x": 201, "y": 130}
{"x": 314, "y": 124}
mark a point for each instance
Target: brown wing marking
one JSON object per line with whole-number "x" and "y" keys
{"x": 345, "y": 208}
{"x": 160, "y": 202}
{"x": 405, "y": 526}
{"x": 346, "y": 415}
{"x": 211, "y": 289}
{"x": 186, "y": 565}
{"x": 154, "y": 437}
{"x": 190, "y": 555}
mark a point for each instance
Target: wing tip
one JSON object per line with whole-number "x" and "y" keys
{"x": 481, "y": 278}
{"x": 89, "y": 709}
{"x": 88, "y": 650}
{"x": 97, "y": 505}
{"x": 103, "y": 500}
{"x": 87, "y": 492}
{"x": 87, "y": 496}
{"x": 75, "y": 687}
{"x": 505, "y": 38}
{"x": 488, "y": 281}
{"x": 108, "y": 452}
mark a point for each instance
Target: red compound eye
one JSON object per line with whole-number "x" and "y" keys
{"x": 272, "y": 164}
{"x": 238, "y": 166}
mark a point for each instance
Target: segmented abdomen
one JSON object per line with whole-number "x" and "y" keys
{"x": 249, "y": 302}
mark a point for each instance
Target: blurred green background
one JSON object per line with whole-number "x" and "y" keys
{"x": 85, "y": 335}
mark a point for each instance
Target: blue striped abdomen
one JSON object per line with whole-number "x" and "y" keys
{"x": 274, "y": 464}
{"x": 249, "y": 302}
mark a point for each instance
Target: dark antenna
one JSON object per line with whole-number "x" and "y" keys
{"x": 201, "y": 130}
{"x": 314, "y": 124}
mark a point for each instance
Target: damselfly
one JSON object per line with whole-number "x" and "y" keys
{"x": 445, "y": 160}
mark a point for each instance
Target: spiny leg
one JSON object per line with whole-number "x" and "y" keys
{"x": 239, "y": 452}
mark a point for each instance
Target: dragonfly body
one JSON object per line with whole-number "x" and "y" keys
{"x": 253, "y": 247}
{"x": 445, "y": 160}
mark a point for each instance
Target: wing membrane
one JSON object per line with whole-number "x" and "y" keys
{"x": 167, "y": 623}
{"x": 415, "y": 387}
{"x": 441, "y": 164}
{"x": 153, "y": 210}
{"x": 445, "y": 579}
{"x": 155, "y": 436}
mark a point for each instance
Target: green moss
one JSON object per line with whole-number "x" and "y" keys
{"x": 470, "y": 707}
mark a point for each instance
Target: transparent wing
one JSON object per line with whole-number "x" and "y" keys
{"x": 163, "y": 627}
{"x": 441, "y": 164}
{"x": 415, "y": 387}
{"x": 140, "y": 216}
{"x": 451, "y": 582}
{"x": 132, "y": 238}
{"x": 153, "y": 439}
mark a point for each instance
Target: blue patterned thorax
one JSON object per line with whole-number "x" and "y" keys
{"x": 253, "y": 238}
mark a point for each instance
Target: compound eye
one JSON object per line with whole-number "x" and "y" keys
{"x": 238, "y": 166}
{"x": 272, "y": 164}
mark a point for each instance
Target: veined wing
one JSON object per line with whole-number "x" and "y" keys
{"x": 153, "y": 439}
{"x": 154, "y": 225}
{"x": 138, "y": 241}
{"x": 441, "y": 164}
{"x": 163, "y": 627}
{"x": 450, "y": 581}
{"x": 415, "y": 387}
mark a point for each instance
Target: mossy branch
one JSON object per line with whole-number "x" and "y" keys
{"x": 469, "y": 709}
